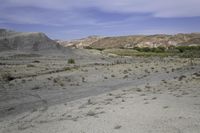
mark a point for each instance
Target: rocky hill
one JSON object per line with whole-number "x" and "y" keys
{"x": 11, "y": 40}
{"x": 147, "y": 41}
{"x": 80, "y": 43}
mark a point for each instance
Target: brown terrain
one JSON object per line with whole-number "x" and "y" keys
{"x": 50, "y": 89}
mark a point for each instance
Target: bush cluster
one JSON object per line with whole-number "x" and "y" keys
{"x": 147, "y": 49}
{"x": 187, "y": 48}
{"x": 180, "y": 49}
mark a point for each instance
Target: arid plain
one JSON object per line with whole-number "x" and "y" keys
{"x": 98, "y": 92}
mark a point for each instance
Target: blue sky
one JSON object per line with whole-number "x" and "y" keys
{"x": 71, "y": 19}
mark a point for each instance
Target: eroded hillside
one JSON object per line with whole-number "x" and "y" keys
{"x": 137, "y": 41}
{"x": 11, "y": 40}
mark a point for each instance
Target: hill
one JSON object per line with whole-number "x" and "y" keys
{"x": 80, "y": 43}
{"x": 35, "y": 41}
{"x": 147, "y": 41}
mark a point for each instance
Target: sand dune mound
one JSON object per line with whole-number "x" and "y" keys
{"x": 11, "y": 40}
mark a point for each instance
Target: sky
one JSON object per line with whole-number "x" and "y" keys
{"x": 73, "y": 19}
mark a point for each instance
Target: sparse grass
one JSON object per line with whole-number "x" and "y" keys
{"x": 24, "y": 55}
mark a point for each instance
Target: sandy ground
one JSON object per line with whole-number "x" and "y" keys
{"x": 99, "y": 94}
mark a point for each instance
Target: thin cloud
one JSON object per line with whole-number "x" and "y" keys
{"x": 101, "y": 17}
{"x": 159, "y": 8}
{"x": 67, "y": 12}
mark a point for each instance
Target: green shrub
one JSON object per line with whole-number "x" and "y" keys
{"x": 71, "y": 61}
{"x": 136, "y": 48}
{"x": 100, "y": 49}
{"x": 67, "y": 68}
{"x": 180, "y": 51}
{"x": 88, "y": 47}
{"x": 146, "y": 49}
{"x": 181, "y": 48}
{"x": 187, "y": 48}
{"x": 159, "y": 49}
{"x": 30, "y": 65}
{"x": 7, "y": 77}
{"x": 121, "y": 47}
{"x": 36, "y": 61}
{"x": 171, "y": 47}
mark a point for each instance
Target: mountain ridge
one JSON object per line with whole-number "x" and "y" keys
{"x": 148, "y": 41}
{"x": 131, "y": 41}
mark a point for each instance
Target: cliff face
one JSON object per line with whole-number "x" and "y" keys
{"x": 11, "y": 40}
{"x": 148, "y": 41}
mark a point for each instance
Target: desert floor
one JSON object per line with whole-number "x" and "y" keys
{"x": 100, "y": 93}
